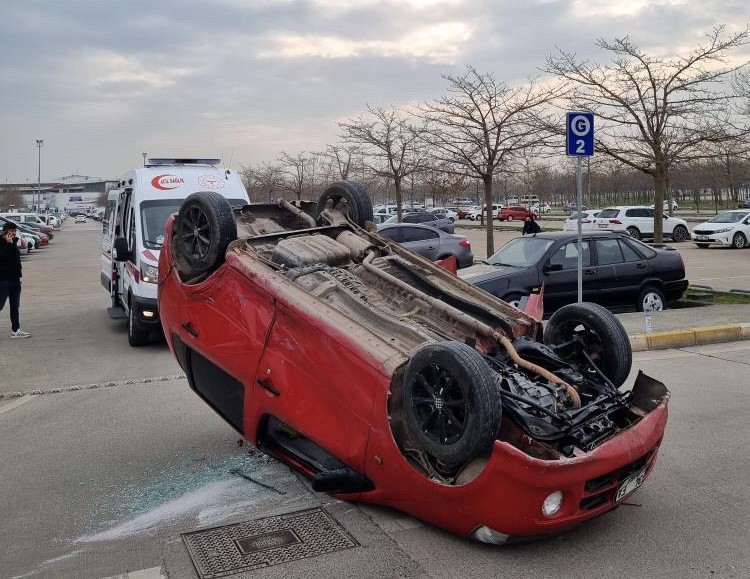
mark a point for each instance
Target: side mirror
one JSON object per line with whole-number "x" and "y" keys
{"x": 120, "y": 251}
{"x": 548, "y": 267}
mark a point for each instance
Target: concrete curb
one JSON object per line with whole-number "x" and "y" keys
{"x": 690, "y": 337}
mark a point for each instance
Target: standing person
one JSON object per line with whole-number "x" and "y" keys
{"x": 530, "y": 226}
{"x": 10, "y": 277}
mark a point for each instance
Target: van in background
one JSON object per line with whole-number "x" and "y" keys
{"x": 133, "y": 231}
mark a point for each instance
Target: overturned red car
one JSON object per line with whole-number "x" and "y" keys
{"x": 386, "y": 379}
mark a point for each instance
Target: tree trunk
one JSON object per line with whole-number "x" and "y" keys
{"x": 399, "y": 198}
{"x": 487, "y": 179}
{"x": 660, "y": 185}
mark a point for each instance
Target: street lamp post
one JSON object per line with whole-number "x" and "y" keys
{"x": 39, "y": 143}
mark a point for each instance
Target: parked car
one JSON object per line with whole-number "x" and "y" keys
{"x": 379, "y": 218}
{"x": 730, "y": 229}
{"x": 744, "y": 204}
{"x": 424, "y": 217}
{"x": 444, "y": 213}
{"x": 429, "y": 242}
{"x": 617, "y": 271}
{"x": 675, "y": 206}
{"x": 383, "y": 378}
{"x": 540, "y": 208}
{"x": 638, "y": 222}
{"x": 587, "y": 221}
{"x": 81, "y": 219}
{"x": 572, "y": 206}
{"x": 28, "y": 231}
{"x": 463, "y": 212}
{"x": 514, "y": 212}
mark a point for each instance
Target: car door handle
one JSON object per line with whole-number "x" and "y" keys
{"x": 589, "y": 271}
{"x": 641, "y": 265}
{"x": 268, "y": 386}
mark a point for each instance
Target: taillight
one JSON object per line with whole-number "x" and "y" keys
{"x": 465, "y": 243}
{"x": 615, "y": 222}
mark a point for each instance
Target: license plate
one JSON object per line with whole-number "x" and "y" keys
{"x": 603, "y": 225}
{"x": 631, "y": 483}
{"x": 701, "y": 237}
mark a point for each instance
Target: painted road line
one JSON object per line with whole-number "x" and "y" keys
{"x": 151, "y": 573}
{"x": 16, "y": 403}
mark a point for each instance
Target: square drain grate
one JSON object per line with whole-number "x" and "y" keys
{"x": 231, "y": 549}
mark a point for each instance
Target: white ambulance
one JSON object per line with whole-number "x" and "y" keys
{"x": 133, "y": 231}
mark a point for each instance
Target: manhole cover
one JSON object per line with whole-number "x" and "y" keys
{"x": 250, "y": 545}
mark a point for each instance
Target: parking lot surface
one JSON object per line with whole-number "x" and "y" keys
{"x": 105, "y": 479}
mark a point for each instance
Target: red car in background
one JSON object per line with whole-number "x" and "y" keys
{"x": 514, "y": 212}
{"x": 386, "y": 379}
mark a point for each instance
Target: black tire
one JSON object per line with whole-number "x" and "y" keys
{"x": 205, "y": 227}
{"x": 739, "y": 241}
{"x": 702, "y": 245}
{"x": 680, "y": 233}
{"x": 450, "y": 402}
{"x": 605, "y": 339}
{"x": 633, "y": 232}
{"x": 136, "y": 336}
{"x": 651, "y": 299}
{"x": 353, "y": 195}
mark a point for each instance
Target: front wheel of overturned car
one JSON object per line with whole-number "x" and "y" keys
{"x": 450, "y": 403}
{"x": 351, "y": 197}
{"x": 598, "y": 332}
{"x": 205, "y": 226}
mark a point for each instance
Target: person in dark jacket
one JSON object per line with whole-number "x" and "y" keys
{"x": 530, "y": 226}
{"x": 10, "y": 277}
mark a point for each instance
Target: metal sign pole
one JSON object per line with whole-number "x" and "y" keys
{"x": 579, "y": 205}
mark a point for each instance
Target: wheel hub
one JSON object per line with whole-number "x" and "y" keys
{"x": 438, "y": 403}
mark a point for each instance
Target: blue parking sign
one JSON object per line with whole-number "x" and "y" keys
{"x": 579, "y": 134}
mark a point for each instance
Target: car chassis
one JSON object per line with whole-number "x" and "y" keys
{"x": 386, "y": 379}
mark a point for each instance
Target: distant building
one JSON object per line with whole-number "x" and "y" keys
{"x": 63, "y": 194}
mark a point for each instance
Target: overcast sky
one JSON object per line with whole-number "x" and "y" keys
{"x": 101, "y": 81}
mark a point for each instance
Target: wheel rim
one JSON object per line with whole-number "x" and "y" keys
{"x": 739, "y": 241}
{"x": 652, "y": 302}
{"x": 586, "y": 335}
{"x": 633, "y": 232}
{"x": 440, "y": 404}
{"x": 195, "y": 232}
{"x": 679, "y": 234}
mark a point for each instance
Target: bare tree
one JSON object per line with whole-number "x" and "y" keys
{"x": 390, "y": 144}
{"x": 481, "y": 125}
{"x": 295, "y": 171}
{"x": 342, "y": 157}
{"x": 654, "y": 113}
{"x": 262, "y": 181}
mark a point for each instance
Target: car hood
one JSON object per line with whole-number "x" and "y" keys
{"x": 480, "y": 271}
{"x": 708, "y": 226}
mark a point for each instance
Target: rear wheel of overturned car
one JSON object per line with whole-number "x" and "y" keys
{"x": 450, "y": 403}
{"x": 353, "y": 199}
{"x": 597, "y": 332}
{"x": 205, "y": 226}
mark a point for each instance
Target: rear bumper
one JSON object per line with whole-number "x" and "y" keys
{"x": 675, "y": 289}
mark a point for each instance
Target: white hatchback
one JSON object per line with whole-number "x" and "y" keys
{"x": 638, "y": 222}
{"x": 731, "y": 228}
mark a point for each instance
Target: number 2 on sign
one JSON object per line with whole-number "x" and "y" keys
{"x": 580, "y": 146}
